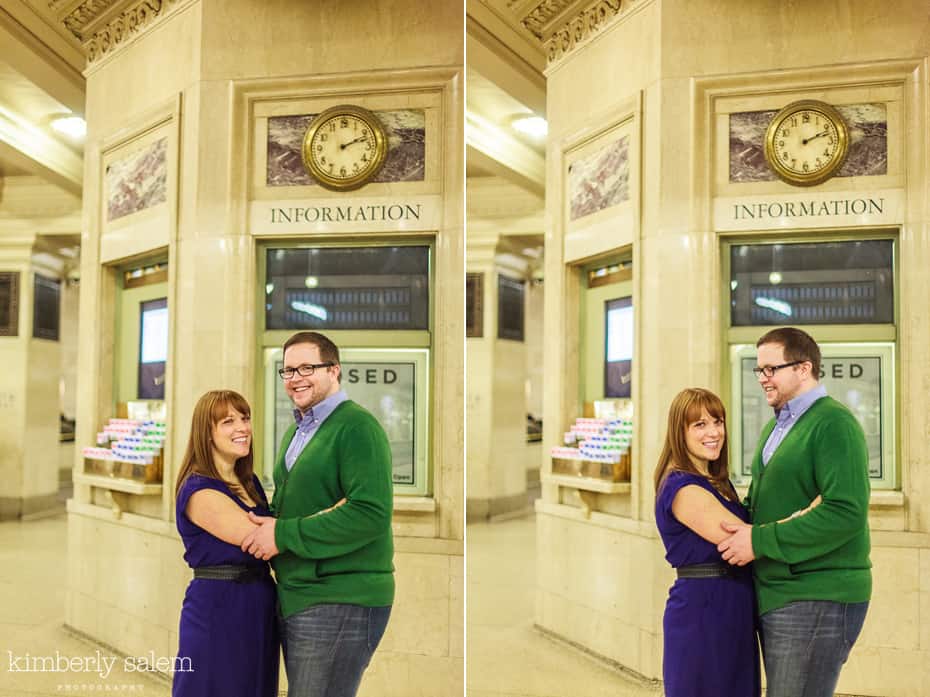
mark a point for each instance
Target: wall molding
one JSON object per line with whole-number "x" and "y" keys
{"x": 104, "y": 26}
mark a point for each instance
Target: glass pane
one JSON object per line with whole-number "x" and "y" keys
{"x": 474, "y": 304}
{"x": 46, "y": 308}
{"x": 858, "y": 375}
{"x": 9, "y": 303}
{"x": 509, "y": 308}
{"x": 812, "y": 283}
{"x": 347, "y": 288}
{"x": 393, "y": 384}
{"x": 153, "y": 348}
{"x": 618, "y": 358}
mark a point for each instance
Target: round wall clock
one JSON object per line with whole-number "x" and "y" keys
{"x": 344, "y": 147}
{"x": 806, "y": 142}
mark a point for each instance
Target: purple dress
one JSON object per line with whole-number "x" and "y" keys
{"x": 228, "y": 630}
{"x": 709, "y": 625}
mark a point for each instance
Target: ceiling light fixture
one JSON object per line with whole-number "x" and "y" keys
{"x": 534, "y": 126}
{"x": 71, "y": 126}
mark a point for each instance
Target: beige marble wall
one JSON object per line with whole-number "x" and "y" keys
{"x": 29, "y": 391}
{"x": 479, "y": 382}
{"x": 247, "y": 39}
{"x": 660, "y": 54}
{"x": 193, "y": 75}
{"x": 70, "y": 296}
{"x": 497, "y": 398}
{"x": 14, "y": 256}
{"x": 535, "y": 346}
{"x": 42, "y": 401}
{"x": 30, "y": 401}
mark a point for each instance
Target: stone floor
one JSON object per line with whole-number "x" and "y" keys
{"x": 33, "y": 641}
{"x": 506, "y": 656}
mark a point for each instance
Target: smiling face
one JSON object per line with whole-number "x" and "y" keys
{"x": 307, "y": 391}
{"x": 231, "y": 437}
{"x": 704, "y": 439}
{"x": 787, "y": 383}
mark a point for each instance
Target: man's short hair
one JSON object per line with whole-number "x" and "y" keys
{"x": 798, "y": 346}
{"x": 329, "y": 352}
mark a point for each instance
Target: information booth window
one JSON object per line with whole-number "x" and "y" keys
{"x": 842, "y": 292}
{"x": 375, "y": 303}
{"x": 606, "y": 337}
{"x": 369, "y": 288}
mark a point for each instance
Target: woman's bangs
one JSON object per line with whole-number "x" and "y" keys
{"x": 227, "y": 401}
{"x": 702, "y": 401}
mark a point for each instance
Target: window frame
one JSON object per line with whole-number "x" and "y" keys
{"x": 858, "y": 335}
{"x": 354, "y": 339}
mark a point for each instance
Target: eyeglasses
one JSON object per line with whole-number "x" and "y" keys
{"x": 769, "y": 370}
{"x": 305, "y": 370}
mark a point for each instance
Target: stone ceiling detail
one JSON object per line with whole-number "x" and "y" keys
{"x": 541, "y": 14}
{"x": 102, "y": 25}
{"x": 560, "y": 26}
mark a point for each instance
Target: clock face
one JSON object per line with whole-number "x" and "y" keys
{"x": 806, "y": 142}
{"x": 344, "y": 147}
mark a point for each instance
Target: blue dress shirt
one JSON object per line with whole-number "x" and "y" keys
{"x": 788, "y": 416}
{"x": 308, "y": 424}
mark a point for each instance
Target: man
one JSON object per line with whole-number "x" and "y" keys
{"x": 334, "y": 564}
{"x": 811, "y": 567}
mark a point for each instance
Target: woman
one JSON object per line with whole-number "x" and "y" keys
{"x": 709, "y": 625}
{"x": 228, "y": 638}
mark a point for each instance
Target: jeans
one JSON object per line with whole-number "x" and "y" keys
{"x": 805, "y": 643}
{"x": 328, "y": 647}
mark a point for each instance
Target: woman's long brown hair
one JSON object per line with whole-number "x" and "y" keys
{"x": 210, "y": 409}
{"x": 685, "y": 410}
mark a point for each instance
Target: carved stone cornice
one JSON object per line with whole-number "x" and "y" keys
{"x": 540, "y": 16}
{"x": 103, "y": 25}
{"x": 582, "y": 27}
{"x": 563, "y": 25}
{"x": 78, "y": 19}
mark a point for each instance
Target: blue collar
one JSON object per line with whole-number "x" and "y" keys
{"x": 319, "y": 411}
{"x": 797, "y": 406}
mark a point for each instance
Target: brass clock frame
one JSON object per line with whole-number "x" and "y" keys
{"x": 377, "y": 159}
{"x": 842, "y": 143}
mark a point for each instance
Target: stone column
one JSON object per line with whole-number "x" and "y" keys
{"x": 29, "y": 394}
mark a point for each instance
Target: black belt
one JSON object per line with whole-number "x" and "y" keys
{"x": 232, "y": 572}
{"x": 711, "y": 570}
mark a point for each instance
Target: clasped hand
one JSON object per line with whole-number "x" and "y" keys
{"x": 260, "y": 542}
{"x": 737, "y": 548}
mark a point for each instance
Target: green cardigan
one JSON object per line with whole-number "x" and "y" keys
{"x": 344, "y": 555}
{"x": 823, "y": 554}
